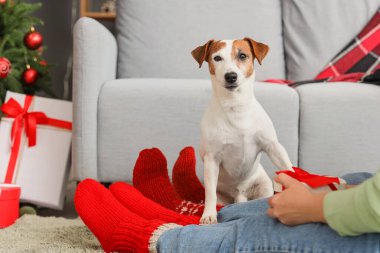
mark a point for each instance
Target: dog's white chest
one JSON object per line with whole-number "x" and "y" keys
{"x": 239, "y": 154}
{"x": 232, "y": 140}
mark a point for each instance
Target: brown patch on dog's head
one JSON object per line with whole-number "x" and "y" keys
{"x": 203, "y": 53}
{"x": 215, "y": 47}
{"x": 259, "y": 49}
{"x": 242, "y": 48}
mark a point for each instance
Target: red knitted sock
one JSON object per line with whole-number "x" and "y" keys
{"x": 150, "y": 177}
{"x": 116, "y": 228}
{"x": 191, "y": 208}
{"x": 132, "y": 199}
{"x": 185, "y": 180}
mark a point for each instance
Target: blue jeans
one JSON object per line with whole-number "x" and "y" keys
{"x": 245, "y": 227}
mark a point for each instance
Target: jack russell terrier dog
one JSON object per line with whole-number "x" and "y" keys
{"x": 235, "y": 128}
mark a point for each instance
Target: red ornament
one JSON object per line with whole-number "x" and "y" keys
{"x": 33, "y": 40}
{"x": 3, "y": 2}
{"x": 40, "y": 50}
{"x": 43, "y": 63}
{"x": 30, "y": 76}
{"x": 5, "y": 67}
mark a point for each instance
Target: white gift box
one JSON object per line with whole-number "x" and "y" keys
{"x": 277, "y": 187}
{"x": 317, "y": 183}
{"x": 42, "y": 170}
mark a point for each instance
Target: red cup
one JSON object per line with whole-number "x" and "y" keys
{"x": 9, "y": 204}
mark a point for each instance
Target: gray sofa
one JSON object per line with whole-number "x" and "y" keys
{"x": 142, "y": 88}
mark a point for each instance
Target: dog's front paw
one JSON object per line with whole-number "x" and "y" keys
{"x": 208, "y": 218}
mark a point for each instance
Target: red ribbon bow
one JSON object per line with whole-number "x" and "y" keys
{"x": 29, "y": 121}
{"x": 312, "y": 180}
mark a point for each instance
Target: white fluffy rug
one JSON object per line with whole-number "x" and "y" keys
{"x": 37, "y": 234}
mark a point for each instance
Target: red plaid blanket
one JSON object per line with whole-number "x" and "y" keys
{"x": 362, "y": 54}
{"x": 356, "y": 62}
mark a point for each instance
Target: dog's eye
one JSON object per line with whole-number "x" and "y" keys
{"x": 242, "y": 56}
{"x": 217, "y": 58}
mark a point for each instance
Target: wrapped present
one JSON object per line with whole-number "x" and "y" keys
{"x": 313, "y": 181}
{"x": 35, "y": 144}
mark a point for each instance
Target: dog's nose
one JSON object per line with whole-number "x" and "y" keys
{"x": 230, "y": 77}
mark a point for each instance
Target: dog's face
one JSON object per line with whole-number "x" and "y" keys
{"x": 230, "y": 61}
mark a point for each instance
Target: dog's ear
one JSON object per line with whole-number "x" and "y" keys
{"x": 259, "y": 50}
{"x": 200, "y": 53}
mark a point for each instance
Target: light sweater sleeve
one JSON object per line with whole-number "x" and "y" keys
{"x": 354, "y": 211}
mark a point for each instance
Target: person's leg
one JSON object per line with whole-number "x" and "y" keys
{"x": 184, "y": 177}
{"x": 260, "y": 233}
{"x": 237, "y": 211}
{"x": 240, "y": 210}
{"x": 132, "y": 199}
{"x": 117, "y": 228}
{"x": 151, "y": 178}
{"x": 357, "y": 178}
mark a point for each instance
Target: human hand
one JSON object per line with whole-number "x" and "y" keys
{"x": 297, "y": 204}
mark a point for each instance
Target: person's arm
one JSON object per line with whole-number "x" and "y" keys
{"x": 297, "y": 204}
{"x": 349, "y": 212}
{"x": 354, "y": 211}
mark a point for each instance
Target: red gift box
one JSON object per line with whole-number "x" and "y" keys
{"x": 9, "y": 204}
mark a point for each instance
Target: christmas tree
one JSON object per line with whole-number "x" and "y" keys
{"x": 22, "y": 68}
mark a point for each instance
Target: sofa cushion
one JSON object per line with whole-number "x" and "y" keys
{"x": 134, "y": 114}
{"x": 339, "y": 128}
{"x": 155, "y": 38}
{"x": 362, "y": 54}
{"x": 315, "y": 31}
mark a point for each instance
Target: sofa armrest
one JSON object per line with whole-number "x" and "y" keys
{"x": 95, "y": 57}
